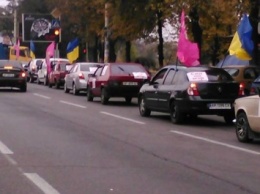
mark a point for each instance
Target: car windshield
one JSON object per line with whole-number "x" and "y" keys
{"x": 65, "y": 67}
{"x": 126, "y": 69}
{"x": 88, "y": 68}
{"x": 214, "y": 75}
{"x": 232, "y": 72}
{"x": 4, "y": 63}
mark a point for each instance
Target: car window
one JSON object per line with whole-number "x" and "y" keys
{"x": 250, "y": 73}
{"x": 12, "y": 63}
{"x": 169, "y": 77}
{"x": 89, "y": 68}
{"x": 118, "y": 69}
{"x": 233, "y": 72}
{"x": 218, "y": 75}
{"x": 104, "y": 70}
{"x": 159, "y": 76}
{"x": 98, "y": 71}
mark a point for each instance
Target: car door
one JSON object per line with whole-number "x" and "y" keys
{"x": 95, "y": 82}
{"x": 71, "y": 76}
{"x": 165, "y": 89}
{"x": 151, "y": 91}
{"x": 41, "y": 71}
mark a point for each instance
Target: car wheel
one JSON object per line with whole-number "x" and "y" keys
{"x": 128, "y": 100}
{"x": 242, "y": 128}
{"x": 66, "y": 90}
{"x": 104, "y": 96}
{"x": 50, "y": 85}
{"x": 45, "y": 81}
{"x": 144, "y": 112}
{"x": 23, "y": 88}
{"x": 57, "y": 86}
{"x": 38, "y": 81}
{"x": 89, "y": 96}
{"x": 31, "y": 79}
{"x": 229, "y": 119}
{"x": 177, "y": 117}
{"x": 74, "y": 89}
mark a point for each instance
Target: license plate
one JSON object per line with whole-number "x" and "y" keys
{"x": 130, "y": 83}
{"x": 219, "y": 106}
{"x": 8, "y": 75}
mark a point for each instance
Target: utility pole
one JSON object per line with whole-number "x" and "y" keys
{"x": 15, "y": 21}
{"x": 106, "y": 44}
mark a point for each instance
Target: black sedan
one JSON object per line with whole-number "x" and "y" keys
{"x": 12, "y": 74}
{"x": 187, "y": 92}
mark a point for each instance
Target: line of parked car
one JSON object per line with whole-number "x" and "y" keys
{"x": 180, "y": 91}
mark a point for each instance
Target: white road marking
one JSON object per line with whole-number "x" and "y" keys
{"x": 216, "y": 142}
{"x": 124, "y": 118}
{"x": 4, "y": 149}
{"x": 72, "y": 104}
{"x": 42, "y": 96}
{"x": 41, "y": 183}
{"x": 11, "y": 160}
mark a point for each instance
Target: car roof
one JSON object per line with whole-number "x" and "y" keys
{"x": 194, "y": 68}
{"x": 240, "y": 66}
{"x": 10, "y": 62}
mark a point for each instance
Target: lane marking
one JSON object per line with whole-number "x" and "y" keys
{"x": 216, "y": 142}
{"x": 11, "y": 160}
{"x": 4, "y": 149}
{"x": 124, "y": 118}
{"x": 42, "y": 96}
{"x": 72, "y": 104}
{"x": 41, "y": 183}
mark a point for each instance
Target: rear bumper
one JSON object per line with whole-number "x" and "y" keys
{"x": 17, "y": 82}
{"x": 202, "y": 107}
{"x": 123, "y": 91}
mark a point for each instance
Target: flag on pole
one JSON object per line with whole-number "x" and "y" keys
{"x": 17, "y": 49}
{"x": 32, "y": 49}
{"x": 73, "y": 50}
{"x": 242, "y": 45}
{"x": 187, "y": 52}
{"x": 49, "y": 53}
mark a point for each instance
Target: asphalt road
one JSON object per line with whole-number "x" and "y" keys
{"x": 57, "y": 143}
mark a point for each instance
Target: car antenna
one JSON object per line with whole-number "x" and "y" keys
{"x": 223, "y": 60}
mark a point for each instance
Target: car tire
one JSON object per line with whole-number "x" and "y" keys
{"x": 143, "y": 110}
{"x": 104, "y": 96}
{"x": 23, "y": 88}
{"x": 177, "y": 117}
{"x": 56, "y": 84}
{"x": 38, "y": 81}
{"x": 229, "y": 118}
{"x": 66, "y": 90}
{"x": 74, "y": 89}
{"x": 242, "y": 128}
{"x": 50, "y": 85}
{"x": 45, "y": 81}
{"x": 31, "y": 79}
{"x": 89, "y": 96}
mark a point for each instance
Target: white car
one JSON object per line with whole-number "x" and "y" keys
{"x": 42, "y": 69}
{"x": 76, "y": 79}
{"x": 247, "y": 122}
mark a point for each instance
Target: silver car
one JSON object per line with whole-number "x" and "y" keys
{"x": 76, "y": 79}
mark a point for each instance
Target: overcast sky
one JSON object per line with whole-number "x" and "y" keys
{"x": 3, "y": 2}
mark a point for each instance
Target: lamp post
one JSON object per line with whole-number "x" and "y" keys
{"x": 15, "y": 20}
{"x": 106, "y": 46}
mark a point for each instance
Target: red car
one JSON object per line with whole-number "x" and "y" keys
{"x": 57, "y": 75}
{"x": 116, "y": 80}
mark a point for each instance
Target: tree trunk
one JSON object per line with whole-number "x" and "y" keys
{"x": 128, "y": 51}
{"x": 112, "y": 52}
{"x": 195, "y": 28}
{"x": 160, "y": 46}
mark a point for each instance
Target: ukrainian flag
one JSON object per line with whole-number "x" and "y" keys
{"x": 73, "y": 50}
{"x": 32, "y": 50}
{"x": 242, "y": 45}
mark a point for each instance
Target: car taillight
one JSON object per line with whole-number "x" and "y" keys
{"x": 23, "y": 74}
{"x": 193, "y": 90}
{"x": 81, "y": 76}
{"x": 241, "y": 91}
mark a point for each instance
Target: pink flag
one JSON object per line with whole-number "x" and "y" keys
{"x": 17, "y": 49}
{"x": 49, "y": 53}
{"x": 187, "y": 52}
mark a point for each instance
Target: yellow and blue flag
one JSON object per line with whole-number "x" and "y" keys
{"x": 32, "y": 50}
{"x": 242, "y": 45}
{"x": 73, "y": 50}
